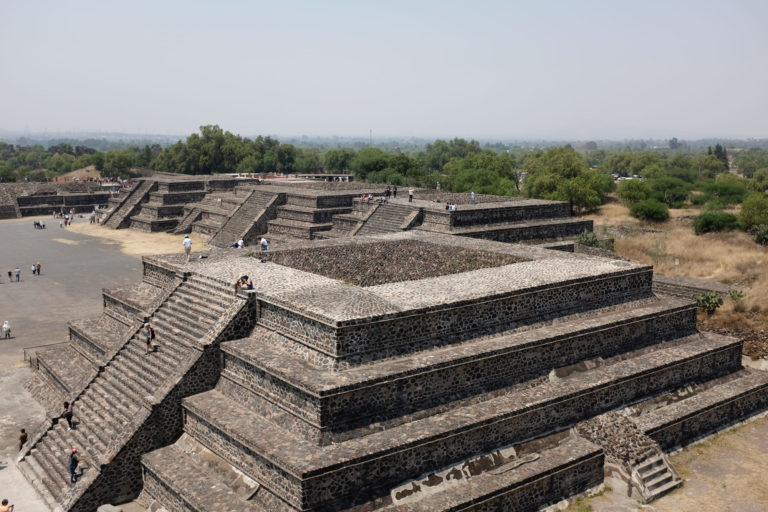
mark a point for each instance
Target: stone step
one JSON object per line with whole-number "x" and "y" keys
{"x": 180, "y": 326}
{"x": 178, "y": 482}
{"x": 660, "y": 478}
{"x": 332, "y": 322}
{"x": 708, "y": 410}
{"x": 205, "y": 296}
{"x": 517, "y": 231}
{"x": 151, "y": 378}
{"x": 54, "y": 488}
{"x": 548, "y": 476}
{"x": 162, "y": 358}
{"x": 34, "y": 473}
{"x": 108, "y": 403}
{"x": 198, "y": 299}
{"x": 190, "y": 312}
{"x": 132, "y": 376}
{"x": 650, "y": 465}
{"x": 428, "y": 444}
{"x": 171, "y": 333}
{"x": 120, "y": 381}
{"x": 665, "y": 488}
{"x": 55, "y": 468}
{"x": 335, "y": 402}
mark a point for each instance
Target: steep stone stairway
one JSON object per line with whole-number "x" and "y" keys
{"x": 242, "y": 219}
{"x": 112, "y": 413}
{"x": 387, "y": 218}
{"x": 185, "y": 225}
{"x": 127, "y": 208}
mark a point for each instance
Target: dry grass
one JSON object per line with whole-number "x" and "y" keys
{"x": 674, "y": 249}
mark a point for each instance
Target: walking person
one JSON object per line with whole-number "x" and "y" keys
{"x": 394, "y": 192}
{"x": 471, "y": 198}
{"x": 7, "y": 330}
{"x": 187, "y": 243}
{"x": 72, "y": 463}
{"x": 38, "y": 267}
{"x": 10, "y": 275}
{"x": 150, "y": 334}
{"x": 22, "y": 439}
{"x": 34, "y": 270}
{"x": 410, "y": 195}
{"x": 69, "y": 410}
{"x": 17, "y": 272}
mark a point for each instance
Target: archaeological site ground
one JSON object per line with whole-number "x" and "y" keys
{"x": 391, "y": 355}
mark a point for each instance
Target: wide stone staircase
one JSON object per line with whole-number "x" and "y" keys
{"x": 387, "y": 218}
{"x": 120, "y": 215}
{"x": 132, "y": 404}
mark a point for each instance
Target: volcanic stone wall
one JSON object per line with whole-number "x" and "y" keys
{"x": 341, "y": 345}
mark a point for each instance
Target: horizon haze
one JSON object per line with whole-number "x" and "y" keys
{"x": 485, "y": 70}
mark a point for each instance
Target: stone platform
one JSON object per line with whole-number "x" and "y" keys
{"x": 408, "y": 371}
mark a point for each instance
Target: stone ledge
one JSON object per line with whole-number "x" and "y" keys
{"x": 304, "y": 460}
{"x": 680, "y": 422}
{"x": 573, "y": 466}
{"x": 192, "y": 483}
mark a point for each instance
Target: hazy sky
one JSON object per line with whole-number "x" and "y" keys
{"x": 507, "y": 69}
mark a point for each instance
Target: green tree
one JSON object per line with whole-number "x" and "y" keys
{"x": 338, "y": 160}
{"x": 307, "y": 161}
{"x": 370, "y": 160}
{"x": 117, "y": 162}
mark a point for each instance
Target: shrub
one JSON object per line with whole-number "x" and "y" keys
{"x": 715, "y": 221}
{"x": 754, "y": 210}
{"x": 633, "y": 191}
{"x": 708, "y": 302}
{"x": 669, "y": 190}
{"x": 736, "y": 295}
{"x": 650, "y": 209}
{"x": 760, "y": 233}
{"x": 590, "y": 239}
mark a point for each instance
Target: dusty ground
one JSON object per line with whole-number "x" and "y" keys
{"x": 136, "y": 243}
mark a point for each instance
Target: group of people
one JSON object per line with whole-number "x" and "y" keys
{"x": 243, "y": 283}
{"x": 16, "y": 273}
{"x": 39, "y": 224}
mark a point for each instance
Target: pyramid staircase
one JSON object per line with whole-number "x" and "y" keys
{"x": 249, "y": 220}
{"x": 388, "y": 218}
{"x": 132, "y": 404}
{"x": 120, "y": 215}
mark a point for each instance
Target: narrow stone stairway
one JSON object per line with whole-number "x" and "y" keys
{"x": 654, "y": 476}
{"x": 110, "y": 410}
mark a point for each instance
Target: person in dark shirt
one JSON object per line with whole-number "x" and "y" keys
{"x": 22, "y": 438}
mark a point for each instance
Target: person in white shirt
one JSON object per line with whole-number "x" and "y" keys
{"x": 187, "y": 245}
{"x": 264, "y": 244}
